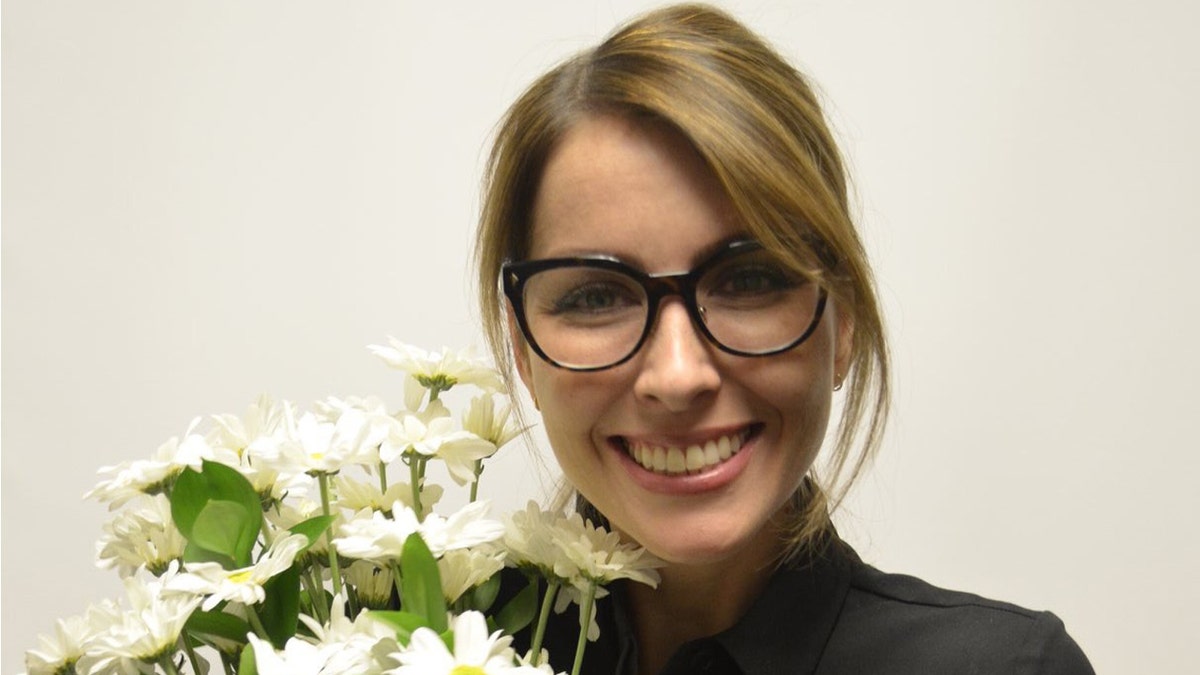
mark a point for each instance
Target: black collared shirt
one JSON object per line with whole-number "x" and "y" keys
{"x": 836, "y": 615}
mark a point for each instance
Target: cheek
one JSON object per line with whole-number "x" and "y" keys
{"x": 809, "y": 422}
{"x": 799, "y": 391}
{"x": 571, "y": 404}
{"x": 803, "y": 401}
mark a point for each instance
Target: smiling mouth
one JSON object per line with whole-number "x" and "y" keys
{"x": 670, "y": 460}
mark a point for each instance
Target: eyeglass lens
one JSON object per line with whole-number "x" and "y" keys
{"x": 585, "y": 316}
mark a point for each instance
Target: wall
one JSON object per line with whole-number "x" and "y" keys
{"x": 206, "y": 201}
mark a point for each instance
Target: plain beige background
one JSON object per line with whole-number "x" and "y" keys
{"x": 203, "y": 201}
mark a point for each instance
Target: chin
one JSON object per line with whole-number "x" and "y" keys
{"x": 705, "y": 542}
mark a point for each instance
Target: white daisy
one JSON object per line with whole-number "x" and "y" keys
{"x": 372, "y": 583}
{"x": 252, "y": 441}
{"x": 475, "y": 652}
{"x": 154, "y": 475}
{"x": 141, "y": 535}
{"x": 593, "y": 554}
{"x": 464, "y": 569}
{"x": 371, "y": 535}
{"x": 317, "y": 446}
{"x": 438, "y": 437}
{"x": 356, "y": 494}
{"x": 357, "y": 645}
{"x": 439, "y": 371}
{"x": 489, "y": 422}
{"x": 60, "y": 652}
{"x": 529, "y": 537}
{"x": 145, "y": 633}
{"x": 264, "y": 423}
{"x": 372, "y": 408}
{"x": 244, "y": 585}
{"x": 288, "y": 514}
{"x": 467, "y": 527}
{"x": 330, "y": 409}
{"x": 576, "y": 554}
{"x": 374, "y": 536}
{"x": 543, "y": 658}
{"x": 298, "y": 657}
{"x": 570, "y": 594}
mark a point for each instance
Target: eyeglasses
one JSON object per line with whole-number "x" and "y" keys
{"x": 595, "y": 312}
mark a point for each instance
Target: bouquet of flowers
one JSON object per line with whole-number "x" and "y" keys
{"x": 276, "y": 543}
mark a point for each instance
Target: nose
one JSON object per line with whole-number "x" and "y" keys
{"x": 677, "y": 367}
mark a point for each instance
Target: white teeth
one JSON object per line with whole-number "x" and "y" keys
{"x": 693, "y": 459}
{"x": 660, "y": 460}
{"x": 675, "y": 461}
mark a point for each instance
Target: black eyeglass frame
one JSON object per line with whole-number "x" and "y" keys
{"x": 514, "y": 275}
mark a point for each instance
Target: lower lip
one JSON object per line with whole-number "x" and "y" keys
{"x": 711, "y": 479}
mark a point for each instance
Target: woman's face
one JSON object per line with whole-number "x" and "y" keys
{"x": 637, "y": 191}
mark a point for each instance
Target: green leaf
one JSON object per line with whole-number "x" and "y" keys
{"x": 195, "y": 491}
{"x": 482, "y": 596}
{"x": 421, "y": 584}
{"x": 281, "y": 610}
{"x": 219, "y": 625}
{"x": 196, "y": 553}
{"x": 404, "y": 623}
{"x": 312, "y": 528}
{"x": 520, "y": 611}
{"x": 188, "y": 497}
{"x": 219, "y": 528}
{"x": 247, "y": 665}
{"x": 226, "y": 483}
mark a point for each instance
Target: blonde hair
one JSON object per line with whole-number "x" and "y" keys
{"x": 758, "y": 124}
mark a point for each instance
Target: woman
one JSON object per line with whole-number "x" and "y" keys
{"x": 684, "y": 291}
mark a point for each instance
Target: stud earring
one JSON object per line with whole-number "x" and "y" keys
{"x": 837, "y": 381}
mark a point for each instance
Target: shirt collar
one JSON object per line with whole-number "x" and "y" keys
{"x": 787, "y": 627}
{"x": 784, "y": 631}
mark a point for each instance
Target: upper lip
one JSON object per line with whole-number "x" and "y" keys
{"x": 685, "y": 438}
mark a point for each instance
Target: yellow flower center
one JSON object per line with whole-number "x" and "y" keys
{"x": 240, "y": 577}
{"x": 467, "y": 670}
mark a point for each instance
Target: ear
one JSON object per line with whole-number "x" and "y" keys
{"x": 520, "y": 351}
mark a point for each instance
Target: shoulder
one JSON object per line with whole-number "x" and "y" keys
{"x": 898, "y": 623}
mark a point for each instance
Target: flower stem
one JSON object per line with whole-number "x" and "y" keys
{"x": 267, "y": 535}
{"x": 543, "y": 618}
{"x": 475, "y": 483}
{"x": 227, "y": 662}
{"x": 352, "y": 601}
{"x": 168, "y": 664}
{"x": 191, "y": 653}
{"x": 256, "y": 623}
{"x": 585, "y": 625}
{"x": 414, "y": 468}
{"x": 316, "y": 593}
{"x": 323, "y": 481}
{"x": 396, "y": 580}
{"x": 383, "y": 477}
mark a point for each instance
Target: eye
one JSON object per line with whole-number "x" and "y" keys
{"x": 595, "y": 298}
{"x": 749, "y": 279}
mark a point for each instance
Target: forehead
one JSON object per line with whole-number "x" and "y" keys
{"x": 632, "y": 188}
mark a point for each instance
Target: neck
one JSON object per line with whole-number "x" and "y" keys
{"x": 712, "y": 596}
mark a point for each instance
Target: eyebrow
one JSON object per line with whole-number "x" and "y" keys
{"x": 702, "y": 255}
